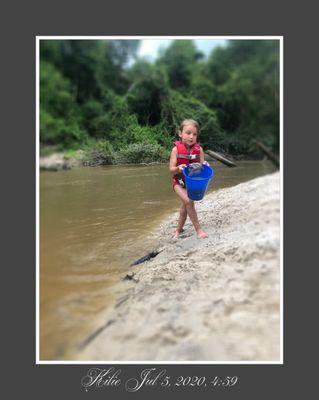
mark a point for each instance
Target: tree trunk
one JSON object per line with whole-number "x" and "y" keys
{"x": 273, "y": 158}
{"x": 220, "y": 158}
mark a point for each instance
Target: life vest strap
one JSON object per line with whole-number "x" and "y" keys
{"x": 188, "y": 156}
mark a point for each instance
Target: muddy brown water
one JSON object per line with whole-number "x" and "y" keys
{"x": 94, "y": 222}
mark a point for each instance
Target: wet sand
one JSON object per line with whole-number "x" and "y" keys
{"x": 216, "y": 299}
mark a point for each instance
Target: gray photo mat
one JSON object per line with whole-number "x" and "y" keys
{"x": 20, "y": 27}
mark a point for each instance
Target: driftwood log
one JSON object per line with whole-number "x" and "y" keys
{"x": 273, "y": 158}
{"x": 148, "y": 256}
{"x": 220, "y": 158}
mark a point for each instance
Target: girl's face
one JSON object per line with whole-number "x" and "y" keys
{"x": 188, "y": 135}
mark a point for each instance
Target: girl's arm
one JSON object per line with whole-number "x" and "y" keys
{"x": 202, "y": 157}
{"x": 173, "y": 167}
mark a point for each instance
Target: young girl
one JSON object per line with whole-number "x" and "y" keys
{"x": 186, "y": 151}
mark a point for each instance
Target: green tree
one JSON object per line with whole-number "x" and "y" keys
{"x": 147, "y": 93}
{"x": 92, "y": 66}
{"x": 60, "y": 119}
{"x": 179, "y": 59}
{"x": 245, "y": 75}
{"x": 87, "y": 90}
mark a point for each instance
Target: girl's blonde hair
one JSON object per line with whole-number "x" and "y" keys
{"x": 189, "y": 122}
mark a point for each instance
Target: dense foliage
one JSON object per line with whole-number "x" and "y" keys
{"x": 91, "y": 99}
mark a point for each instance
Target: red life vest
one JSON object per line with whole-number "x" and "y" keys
{"x": 187, "y": 155}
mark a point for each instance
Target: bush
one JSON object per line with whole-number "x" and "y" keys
{"x": 63, "y": 132}
{"x": 143, "y": 134}
{"x": 163, "y": 136}
{"x": 142, "y": 153}
{"x": 99, "y": 153}
{"x": 91, "y": 112}
{"x": 188, "y": 107}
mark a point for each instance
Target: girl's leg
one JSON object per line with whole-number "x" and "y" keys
{"x": 190, "y": 208}
{"x": 181, "y": 220}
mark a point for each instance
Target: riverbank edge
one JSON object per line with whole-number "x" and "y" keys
{"x": 243, "y": 226}
{"x": 59, "y": 161}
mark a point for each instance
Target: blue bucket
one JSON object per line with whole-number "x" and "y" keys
{"x": 197, "y": 184}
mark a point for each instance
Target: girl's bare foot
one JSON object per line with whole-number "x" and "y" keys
{"x": 177, "y": 233}
{"x": 201, "y": 234}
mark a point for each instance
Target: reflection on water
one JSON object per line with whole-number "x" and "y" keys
{"x": 93, "y": 223}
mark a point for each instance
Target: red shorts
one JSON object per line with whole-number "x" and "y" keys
{"x": 176, "y": 181}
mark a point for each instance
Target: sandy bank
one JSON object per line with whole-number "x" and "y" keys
{"x": 58, "y": 162}
{"x": 216, "y": 299}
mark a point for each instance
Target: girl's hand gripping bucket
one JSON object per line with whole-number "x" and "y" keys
{"x": 197, "y": 183}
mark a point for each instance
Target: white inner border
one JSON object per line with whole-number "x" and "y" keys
{"x": 38, "y": 38}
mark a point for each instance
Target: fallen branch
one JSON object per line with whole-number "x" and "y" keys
{"x": 273, "y": 158}
{"x": 221, "y": 158}
{"x": 148, "y": 256}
